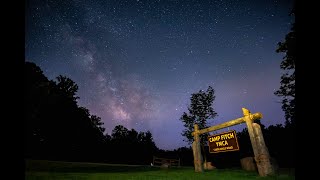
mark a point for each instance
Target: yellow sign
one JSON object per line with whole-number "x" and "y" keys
{"x": 226, "y": 141}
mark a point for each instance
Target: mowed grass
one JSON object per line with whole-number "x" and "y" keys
{"x": 38, "y": 170}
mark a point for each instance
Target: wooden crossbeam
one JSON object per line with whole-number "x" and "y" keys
{"x": 227, "y": 124}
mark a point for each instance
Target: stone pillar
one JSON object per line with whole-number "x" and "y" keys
{"x": 198, "y": 167}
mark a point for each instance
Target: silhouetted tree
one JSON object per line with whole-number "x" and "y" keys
{"x": 133, "y": 136}
{"x": 108, "y": 137}
{"x": 120, "y": 143}
{"x": 55, "y": 127}
{"x": 287, "y": 88}
{"x": 68, "y": 87}
{"x": 36, "y": 93}
{"x": 149, "y": 147}
{"x": 97, "y": 123}
{"x": 186, "y": 156}
{"x": 287, "y": 92}
{"x": 119, "y": 133}
{"x": 200, "y": 110}
{"x": 132, "y": 146}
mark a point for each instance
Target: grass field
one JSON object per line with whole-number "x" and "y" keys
{"x": 37, "y": 170}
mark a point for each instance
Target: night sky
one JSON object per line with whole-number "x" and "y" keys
{"x": 137, "y": 62}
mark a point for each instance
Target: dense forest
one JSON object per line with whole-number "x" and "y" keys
{"x": 57, "y": 128}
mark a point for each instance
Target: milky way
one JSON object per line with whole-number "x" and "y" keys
{"x": 137, "y": 62}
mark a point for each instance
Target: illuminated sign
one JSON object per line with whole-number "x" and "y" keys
{"x": 223, "y": 142}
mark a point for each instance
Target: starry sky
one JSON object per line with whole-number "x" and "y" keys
{"x": 137, "y": 62}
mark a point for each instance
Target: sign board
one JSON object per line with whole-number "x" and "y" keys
{"x": 223, "y": 142}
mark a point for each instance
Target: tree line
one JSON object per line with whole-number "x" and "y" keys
{"x": 57, "y": 128}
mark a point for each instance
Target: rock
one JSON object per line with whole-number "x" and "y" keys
{"x": 248, "y": 164}
{"x": 165, "y": 165}
{"x": 208, "y": 166}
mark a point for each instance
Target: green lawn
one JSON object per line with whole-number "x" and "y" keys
{"x": 63, "y": 170}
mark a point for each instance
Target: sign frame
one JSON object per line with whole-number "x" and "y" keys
{"x": 235, "y": 142}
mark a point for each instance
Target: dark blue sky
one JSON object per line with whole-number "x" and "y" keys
{"x": 137, "y": 62}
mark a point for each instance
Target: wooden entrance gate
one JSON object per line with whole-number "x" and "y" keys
{"x": 261, "y": 153}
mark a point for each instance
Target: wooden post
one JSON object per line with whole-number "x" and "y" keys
{"x": 198, "y": 167}
{"x": 261, "y": 154}
{"x": 263, "y": 160}
{"x": 249, "y": 120}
